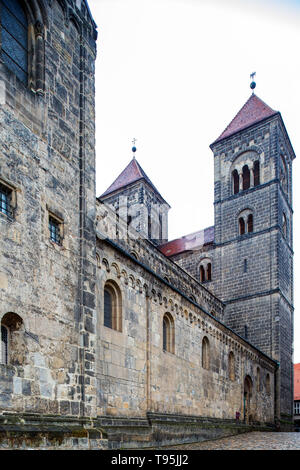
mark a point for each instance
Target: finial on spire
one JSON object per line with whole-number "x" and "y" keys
{"x": 252, "y": 84}
{"x": 134, "y": 147}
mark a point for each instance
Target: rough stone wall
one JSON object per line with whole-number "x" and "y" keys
{"x": 47, "y": 156}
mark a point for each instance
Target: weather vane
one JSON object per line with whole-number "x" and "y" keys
{"x": 134, "y": 147}
{"x": 252, "y": 84}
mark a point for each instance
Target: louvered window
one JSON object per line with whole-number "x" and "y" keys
{"x": 14, "y": 38}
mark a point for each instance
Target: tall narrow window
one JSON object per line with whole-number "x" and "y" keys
{"x": 6, "y": 200}
{"x": 107, "y": 308}
{"x": 235, "y": 182}
{"x": 256, "y": 177}
{"x": 250, "y": 223}
{"x": 205, "y": 353}
{"x": 231, "y": 366}
{"x": 14, "y": 38}
{"x": 112, "y": 306}
{"x": 55, "y": 230}
{"x": 202, "y": 274}
{"x": 208, "y": 271}
{"x": 4, "y": 344}
{"x": 246, "y": 177}
{"x": 168, "y": 333}
{"x": 241, "y": 226}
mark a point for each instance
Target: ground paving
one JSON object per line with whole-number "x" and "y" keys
{"x": 249, "y": 441}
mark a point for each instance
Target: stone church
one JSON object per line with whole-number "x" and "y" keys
{"x": 112, "y": 336}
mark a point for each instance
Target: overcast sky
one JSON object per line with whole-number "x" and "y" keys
{"x": 173, "y": 74}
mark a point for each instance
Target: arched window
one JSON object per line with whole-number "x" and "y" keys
{"x": 235, "y": 182}
{"x": 4, "y": 344}
{"x": 250, "y": 223}
{"x": 205, "y": 270}
{"x": 12, "y": 340}
{"x": 246, "y": 177}
{"x": 205, "y": 353}
{"x": 202, "y": 274}
{"x": 208, "y": 271}
{"x": 231, "y": 366}
{"x": 112, "y": 306}
{"x": 241, "y": 226}
{"x": 256, "y": 176}
{"x": 168, "y": 333}
{"x": 14, "y": 38}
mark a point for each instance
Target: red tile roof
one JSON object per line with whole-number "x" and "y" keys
{"x": 253, "y": 111}
{"x": 189, "y": 242}
{"x": 131, "y": 174}
{"x": 296, "y": 381}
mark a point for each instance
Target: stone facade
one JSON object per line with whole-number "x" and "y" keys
{"x": 173, "y": 366}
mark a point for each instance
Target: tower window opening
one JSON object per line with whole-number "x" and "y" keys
{"x": 241, "y": 226}
{"x": 256, "y": 176}
{"x": 250, "y": 223}
{"x": 202, "y": 274}
{"x": 236, "y": 182}
{"x": 246, "y": 177}
{"x": 208, "y": 271}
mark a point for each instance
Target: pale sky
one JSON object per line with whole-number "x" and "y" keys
{"x": 173, "y": 74}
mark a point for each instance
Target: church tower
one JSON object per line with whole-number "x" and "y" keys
{"x": 135, "y": 199}
{"x": 253, "y": 255}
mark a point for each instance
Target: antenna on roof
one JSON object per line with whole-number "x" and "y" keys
{"x": 134, "y": 147}
{"x": 252, "y": 84}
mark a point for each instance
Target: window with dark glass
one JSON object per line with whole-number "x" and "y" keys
{"x": 107, "y": 309}
{"x": 246, "y": 177}
{"x": 236, "y": 182}
{"x": 6, "y": 200}
{"x": 168, "y": 333}
{"x": 55, "y": 230}
{"x": 209, "y": 271}
{"x": 112, "y": 306}
{"x": 241, "y": 226}
{"x": 14, "y": 38}
{"x": 4, "y": 345}
{"x": 256, "y": 173}
{"x": 250, "y": 223}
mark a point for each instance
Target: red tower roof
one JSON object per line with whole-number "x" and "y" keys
{"x": 253, "y": 111}
{"x": 131, "y": 174}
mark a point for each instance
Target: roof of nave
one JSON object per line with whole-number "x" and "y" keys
{"x": 296, "y": 381}
{"x": 131, "y": 174}
{"x": 253, "y": 111}
{"x": 188, "y": 242}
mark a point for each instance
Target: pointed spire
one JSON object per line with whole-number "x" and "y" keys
{"x": 253, "y": 111}
{"x": 131, "y": 174}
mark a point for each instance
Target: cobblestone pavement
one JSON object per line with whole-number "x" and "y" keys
{"x": 249, "y": 441}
